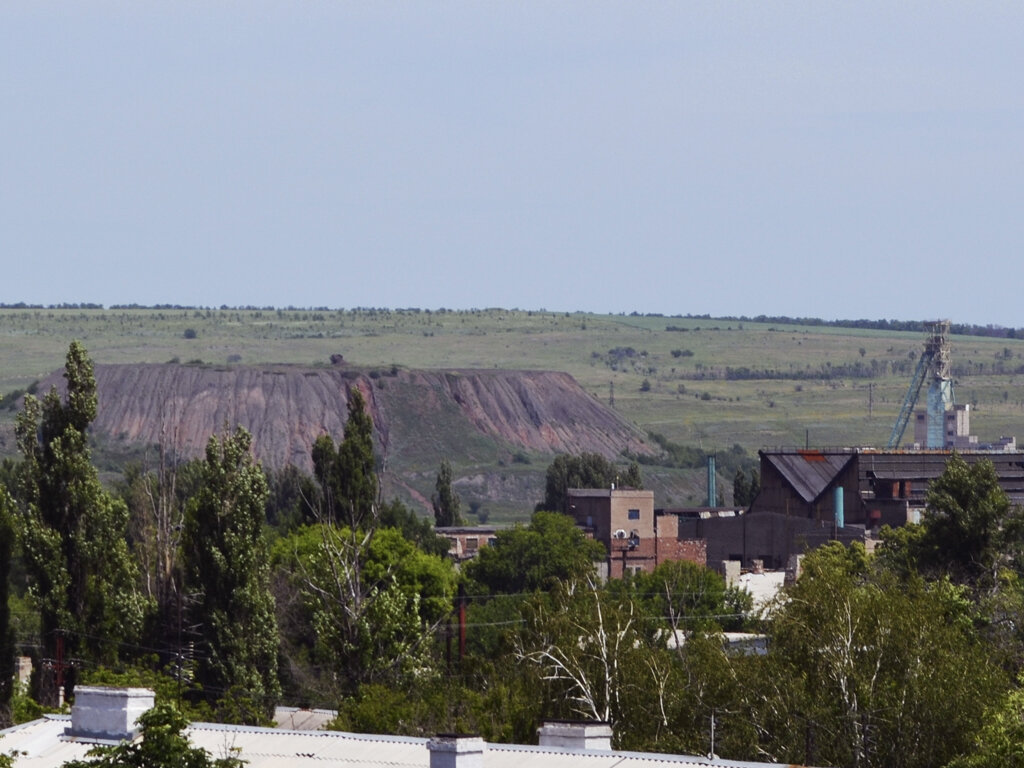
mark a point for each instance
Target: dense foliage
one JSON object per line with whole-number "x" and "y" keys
{"x": 73, "y": 531}
{"x": 587, "y": 470}
{"x": 346, "y": 473}
{"x": 912, "y": 656}
{"x": 227, "y": 578}
{"x": 446, "y": 501}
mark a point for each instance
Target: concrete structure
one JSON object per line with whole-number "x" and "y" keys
{"x": 636, "y": 539}
{"x": 47, "y": 743}
{"x": 453, "y": 751}
{"x": 575, "y": 734}
{"x": 465, "y": 540}
{"x": 954, "y": 426}
{"x": 103, "y": 714}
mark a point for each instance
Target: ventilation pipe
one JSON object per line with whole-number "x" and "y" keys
{"x": 453, "y": 751}
{"x": 575, "y": 735}
{"x": 105, "y": 715}
{"x": 840, "y": 520}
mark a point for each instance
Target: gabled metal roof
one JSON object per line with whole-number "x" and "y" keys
{"x": 809, "y": 472}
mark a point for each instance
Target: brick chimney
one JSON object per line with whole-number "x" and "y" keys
{"x": 108, "y": 714}
{"x": 449, "y": 750}
{"x": 575, "y": 734}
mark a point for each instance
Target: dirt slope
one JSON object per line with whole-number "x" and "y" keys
{"x": 467, "y": 415}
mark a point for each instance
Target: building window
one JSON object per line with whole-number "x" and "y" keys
{"x": 471, "y": 543}
{"x": 634, "y": 514}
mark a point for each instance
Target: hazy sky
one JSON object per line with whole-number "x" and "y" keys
{"x": 802, "y": 158}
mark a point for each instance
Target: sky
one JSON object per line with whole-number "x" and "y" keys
{"x": 813, "y": 159}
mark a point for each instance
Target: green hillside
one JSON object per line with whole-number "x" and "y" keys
{"x": 697, "y": 381}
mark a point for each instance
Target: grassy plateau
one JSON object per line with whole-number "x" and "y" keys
{"x": 697, "y": 381}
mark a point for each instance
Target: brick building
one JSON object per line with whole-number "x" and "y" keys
{"x": 465, "y": 540}
{"x": 623, "y": 520}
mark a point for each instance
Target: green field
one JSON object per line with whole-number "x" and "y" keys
{"x": 813, "y": 391}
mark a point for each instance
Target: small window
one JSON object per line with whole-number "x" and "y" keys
{"x": 471, "y": 543}
{"x": 492, "y": 540}
{"x": 634, "y": 514}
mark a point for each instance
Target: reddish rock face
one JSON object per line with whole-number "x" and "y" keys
{"x": 287, "y": 407}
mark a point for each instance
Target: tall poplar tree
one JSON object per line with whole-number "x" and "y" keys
{"x": 347, "y": 474}
{"x": 73, "y": 532}
{"x": 446, "y": 501}
{"x": 7, "y": 644}
{"x": 228, "y": 582}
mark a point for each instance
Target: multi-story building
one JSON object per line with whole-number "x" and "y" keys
{"x": 623, "y": 519}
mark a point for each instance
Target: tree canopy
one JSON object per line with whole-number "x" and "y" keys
{"x": 587, "y": 470}
{"x": 446, "y": 501}
{"x": 536, "y": 556}
{"x": 227, "y": 572}
{"x": 371, "y": 601}
{"x": 347, "y": 473}
{"x": 73, "y": 532}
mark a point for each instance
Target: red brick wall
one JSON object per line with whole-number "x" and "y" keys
{"x": 694, "y": 550}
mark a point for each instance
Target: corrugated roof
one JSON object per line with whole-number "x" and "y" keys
{"x": 42, "y": 744}
{"x": 809, "y": 472}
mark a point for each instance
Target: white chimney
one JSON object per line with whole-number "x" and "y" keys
{"x": 108, "y": 714}
{"x": 452, "y": 751}
{"x": 576, "y": 735}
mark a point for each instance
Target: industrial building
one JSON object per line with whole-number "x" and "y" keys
{"x": 635, "y": 538}
{"x": 809, "y": 497}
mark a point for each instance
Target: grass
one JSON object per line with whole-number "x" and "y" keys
{"x": 610, "y": 355}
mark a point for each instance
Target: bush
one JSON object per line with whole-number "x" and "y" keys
{"x": 190, "y": 333}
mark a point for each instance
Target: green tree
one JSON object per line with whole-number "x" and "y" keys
{"x": 686, "y": 596}
{"x": 549, "y": 550}
{"x": 740, "y": 489}
{"x": 7, "y": 640}
{"x": 446, "y": 501}
{"x": 578, "y": 640}
{"x": 73, "y": 532}
{"x": 163, "y": 745}
{"x": 970, "y": 528}
{"x": 1000, "y": 742}
{"x": 414, "y": 528}
{"x": 587, "y": 470}
{"x": 156, "y": 497}
{"x": 347, "y": 474}
{"x": 372, "y": 602}
{"x": 293, "y": 499}
{"x": 227, "y": 577}
{"x": 866, "y": 670}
